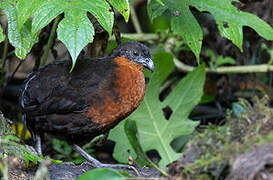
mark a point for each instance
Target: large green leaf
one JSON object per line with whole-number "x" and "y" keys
{"x": 154, "y": 131}
{"x": 75, "y": 30}
{"x": 184, "y": 24}
{"x": 19, "y": 28}
{"x": 225, "y": 13}
{"x": 230, "y": 21}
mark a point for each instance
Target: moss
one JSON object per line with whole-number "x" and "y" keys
{"x": 218, "y": 146}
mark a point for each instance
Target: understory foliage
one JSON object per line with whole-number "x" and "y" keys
{"x": 147, "y": 129}
{"x": 27, "y": 17}
{"x": 10, "y": 145}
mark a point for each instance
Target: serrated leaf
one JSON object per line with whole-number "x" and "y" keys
{"x": 21, "y": 38}
{"x": 123, "y": 148}
{"x": 232, "y": 32}
{"x": 230, "y": 21}
{"x": 2, "y": 36}
{"x": 155, "y": 132}
{"x": 184, "y": 24}
{"x": 122, "y": 6}
{"x": 192, "y": 88}
{"x": 102, "y": 11}
{"x": 224, "y": 12}
{"x": 75, "y": 31}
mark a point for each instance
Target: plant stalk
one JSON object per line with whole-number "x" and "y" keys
{"x": 135, "y": 20}
{"x": 50, "y": 41}
{"x": 5, "y": 52}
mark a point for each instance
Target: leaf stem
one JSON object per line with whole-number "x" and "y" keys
{"x": 50, "y": 41}
{"x": 5, "y": 52}
{"x": 159, "y": 169}
{"x": 135, "y": 19}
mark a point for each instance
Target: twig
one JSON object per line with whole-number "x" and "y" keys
{"x": 5, "y": 52}
{"x": 135, "y": 19}
{"x": 116, "y": 31}
{"x": 139, "y": 36}
{"x": 50, "y": 41}
{"x": 16, "y": 69}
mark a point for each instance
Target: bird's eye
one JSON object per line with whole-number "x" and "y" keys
{"x": 135, "y": 53}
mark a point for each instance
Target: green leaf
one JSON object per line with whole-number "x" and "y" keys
{"x": 102, "y": 11}
{"x": 122, "y": 6}
{"x": 230, "y": 21}
{"x": 46, "y": 12}
{"x": 160, "y": 2}
{"x": 31, "y": 157}
{"x": 131, "y": 132}
{"x": 184, "y": 24}
{"x": 102, "y": 174}
{"x": 192, "y": 88}
{"x": 2, "y": 36}
{"x": 232, "y": 32}
{"x": 19, "y": 34}
{"x": 75, "y": 30}
{"x": 25, "y": 9}
{"x": 224, "y": 12}
{"x": 123, "y": 149}
{"x": 225, "y": 60}
{"x": 154, "y": 131}
{"x": 155, "y": 9}
{"x": 11, "y": 145}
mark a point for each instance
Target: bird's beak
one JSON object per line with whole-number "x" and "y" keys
{"x": 147, "y": 63}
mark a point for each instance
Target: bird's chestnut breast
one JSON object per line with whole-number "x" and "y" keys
{"x": 130, "y": 88}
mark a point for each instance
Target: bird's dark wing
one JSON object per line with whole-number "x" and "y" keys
{"x": 54, "y": 90}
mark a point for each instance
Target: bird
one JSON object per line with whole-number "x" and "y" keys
{"x": 77, "y": 106}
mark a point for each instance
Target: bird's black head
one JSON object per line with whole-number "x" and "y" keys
{"x": 136, "y": 52}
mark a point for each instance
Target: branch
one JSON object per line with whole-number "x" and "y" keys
{"x": 227, "y": 69}
{"x": 139, "y": 36}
